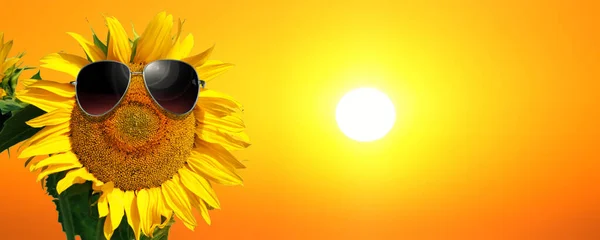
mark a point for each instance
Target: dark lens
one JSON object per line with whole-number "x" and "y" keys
{"x": 101, "y": 85}
{"x": 172, "y": 84}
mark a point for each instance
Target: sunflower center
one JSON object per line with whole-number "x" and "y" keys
{"x": 135, "y": 146}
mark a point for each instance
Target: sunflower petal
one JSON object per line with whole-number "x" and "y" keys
{"x": 226, "y": 123}
{"x": 103, "y": 200}
{"x": 164, "y": 210}
{"x": 115, "y": 203}
{"x": 56, "y": 169}
{"x": 199, "y": 186}
{"x": 68, "y": 158}
{"x": 181, "y": 50}
{"x": 155, "y": 41}
{"x": 143, "y": 202}
{"x": 118, "y": 46}
{"x": 77, "y": 176}
{"x": 28, "y": 82}
{"x": 109, "y": 228}
{"x": 56, "y": 144}
{"x": 219, "y": 153}
{"x": 132, "y": 212}
{"x": 199, "y": 59}
{"x": 45, "y": 100}
{"x": 197, "y": 203}
{"x": 64, "y": 62}
{"x": 213, "y": 170}
{"x": 9, "y": 63}
{"x": 60, "y": 89}
{"x": 48, "y": 132}
{"x": 176, "y": 199}
{"x": 230, "y": 141}
{"x": 55, "y": 117}
{"x": 212, "y": 68}
{"x": 5, "y": 49}
{"x": 93, "y": 52}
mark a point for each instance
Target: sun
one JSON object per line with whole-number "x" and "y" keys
{"x": 147, "y": 166}
{"x": 365, "y": 114}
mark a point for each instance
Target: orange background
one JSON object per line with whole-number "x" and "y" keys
{"x": 497, "y": 134}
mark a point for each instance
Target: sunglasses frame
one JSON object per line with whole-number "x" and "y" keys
{"x": 200, "y": 83}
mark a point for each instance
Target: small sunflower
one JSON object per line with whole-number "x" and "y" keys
{"x": 10, "y": 71}
{"x": 146, "y": 166}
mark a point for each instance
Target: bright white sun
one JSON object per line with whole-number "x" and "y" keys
{"x": 365, "y": 114}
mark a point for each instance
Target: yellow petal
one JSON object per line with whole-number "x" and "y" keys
{"x": 218, "y": 153}
{"x": 55, "y": 117}
{"x": 181, "y": 50}
{"x": 61, "y": 89}
{"x": 211, "y": 69}
{"x": 197, "y": 203}
{"x": 28, "y": 82}
{"x": 118, "y": 46}
{"x": 164, "y": 210}
{"x": 155, "y": 41}
{"x": 218, "y": 104}
{"x": 93, "y": 52}
{"x": 176, "y": 199}
{"x": 143, "y": 201}
{"x": 77, "y": 176}
{"x": 186, "y": 46}
{"x": 154, "y": 195}
{"x": 5, "y": 49}
{"x": 230, "y": 141}
{"x": 55, "y": 169}
{"x": 67, "y": 158}
{"x": 48, "y": 132}
{"x": 57, "y": 144}
{"x": 9, "y": 63}
{"x": 199, "y": 186}
{"x": 115, "y": 203}
{"x": 103, "y": 204}
{"x": 64, "y": 62}
{"x": 212, "y": 169}
{"x": 199, "y": 59}
{"x": 45, "y": 100}
{"x": 133, "y": 215}
{"x": 109, "y": 228}
{"x": 226, "y": 123}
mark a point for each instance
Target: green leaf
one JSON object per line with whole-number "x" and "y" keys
{"x": 37, "y": 76}
{"x": 99, "y": 43}
{"x": 12, "y": 81}
{"x": 15, "y": 130}
{"x": 84, "y": 213}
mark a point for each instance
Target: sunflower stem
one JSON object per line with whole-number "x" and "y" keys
{"x": 66, "y": 216}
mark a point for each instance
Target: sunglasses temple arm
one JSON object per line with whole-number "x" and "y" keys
{"x": 74, "y": 83}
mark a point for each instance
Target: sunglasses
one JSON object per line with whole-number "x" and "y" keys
{"x": 173, "y": 85}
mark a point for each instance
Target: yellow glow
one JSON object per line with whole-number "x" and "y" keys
{"x": 365, "y": 114}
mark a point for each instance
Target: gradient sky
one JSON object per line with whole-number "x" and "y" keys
{"x": 497, "y": 105}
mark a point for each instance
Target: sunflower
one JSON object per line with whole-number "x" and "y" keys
{"x": 147, "y": 167}
{"x": 7, "y": 65}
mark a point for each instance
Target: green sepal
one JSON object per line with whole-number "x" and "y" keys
{"x": 99, "y": 43}
{"x": 9, "y": 105}
{"x": 37, "y": 76}
{"x": 15, "y": 130}
{"x": 133, "y": 50}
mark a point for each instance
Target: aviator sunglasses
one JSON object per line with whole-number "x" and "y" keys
{"x": 173, "y": 85}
